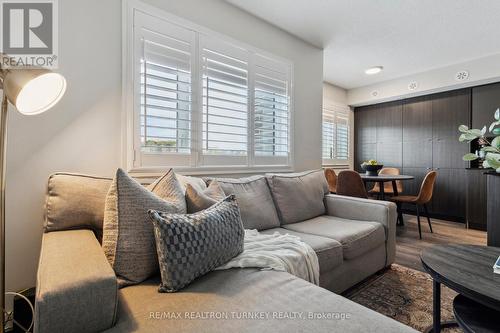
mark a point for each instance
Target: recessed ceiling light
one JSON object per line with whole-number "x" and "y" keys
{"x": 374, "y": 70}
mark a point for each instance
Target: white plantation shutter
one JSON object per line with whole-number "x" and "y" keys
{"x": 271, "y": 111}
{"x": 342, "y": 139}
{"x": 164, "y": 91}
{"x": 335, "y": 134}
{"x": 203, "y": 101}
{"x": 225, "y": 103}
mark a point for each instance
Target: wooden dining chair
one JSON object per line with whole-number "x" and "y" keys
{"x": 420, "y": 200}
{"x": 349, "y": 183}
{"x": 331, "y": 178}
{"x": 387, "y": 185}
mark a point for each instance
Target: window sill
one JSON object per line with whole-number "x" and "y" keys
{"x": 207, "y": 171}
{"x": 337, "y": 166}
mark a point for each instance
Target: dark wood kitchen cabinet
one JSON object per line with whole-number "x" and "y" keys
{"x": 493, "y": 208}
{"x": 390, "y": 134}
{"x": 449, "y": 196}
{"x": 365, "y": 131}
{"x": 450, "y": 110}
{"x": 418, "y": 135}
{"x": 476, "y": 198}
{"x": 485, "y": 100}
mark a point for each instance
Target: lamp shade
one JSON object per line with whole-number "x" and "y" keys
{"x": 33, "y": 91}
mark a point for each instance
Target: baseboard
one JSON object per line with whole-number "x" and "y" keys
{"x": 457, "y": 219}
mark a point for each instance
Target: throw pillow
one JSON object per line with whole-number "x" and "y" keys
{"x": 299, "y": 196}
{"x": 128, "y": 237}
{"x": 170, "y": 189}
{"x": 198, "y": 183}
{"x": 191, "y": 245}
{"x": 200, "y": 200}
{"x": 254, "y": 199}
{"x": 75, "y": 202}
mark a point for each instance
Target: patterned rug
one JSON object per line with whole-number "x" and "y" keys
{"x": 405, "y": 295}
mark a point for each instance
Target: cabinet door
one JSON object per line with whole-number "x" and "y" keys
{"x": 364, "y": 152}
{"x": 417, "y": 119}
{"x": 450, "y": 110}
{"x": 417, "y": 133}
{"x": 389, "y": 154}
{"x": 476, "y": 199}
{"x": 417, "y": 153}
{"x": 365, "y": 120}
{"x": 389, "y": 122}
{"x": 448, "y": 199}
{"x": 485, "y": 100}
{"x": 447, "y": 152}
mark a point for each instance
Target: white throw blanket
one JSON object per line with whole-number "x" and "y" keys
{"x": 279, "y": 252}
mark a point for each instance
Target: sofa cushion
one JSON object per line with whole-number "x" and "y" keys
{"x": 75, "y": 202}
{"x": 356, "y": 237}
{"x": 298, "y": 196}
{"x": 191, "y": 245}
{"x": 128, "y": 238}
{"x": 329, "y": 251}
{"x": 255, "y": 201}
{"x": 197, "y": 200}
{"x": 231, "y": 294}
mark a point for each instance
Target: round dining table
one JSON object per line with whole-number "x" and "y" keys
{"x": 381, "y": 179}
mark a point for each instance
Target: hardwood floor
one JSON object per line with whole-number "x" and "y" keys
{"x": 409, "y": 246}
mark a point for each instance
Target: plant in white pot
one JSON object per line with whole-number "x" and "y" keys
{"x": 490, "y": 150}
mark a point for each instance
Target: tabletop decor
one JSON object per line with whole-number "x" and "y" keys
{"x": 490, "y": 150}
{"x": 371, "y": 167}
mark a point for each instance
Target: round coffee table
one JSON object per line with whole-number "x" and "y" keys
{"x": 467, "y": 269}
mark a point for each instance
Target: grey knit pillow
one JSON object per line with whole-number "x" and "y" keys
{"x": 128, "y": 238}
{"x": 191, "y": 245}
{"x": 199, "y": 200}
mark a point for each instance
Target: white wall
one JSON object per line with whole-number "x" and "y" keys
{"x": 481, "y": 71}
{"x": 83, "y": 134}
{"x": 334, "y": 95}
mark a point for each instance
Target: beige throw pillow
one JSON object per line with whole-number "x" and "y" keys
{"x": 128, "y": 236}
{"x": 169, "y": 188}
{"x": 200, "y": 200}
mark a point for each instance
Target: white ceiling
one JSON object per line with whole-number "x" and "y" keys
{"x": 405, "y": 37}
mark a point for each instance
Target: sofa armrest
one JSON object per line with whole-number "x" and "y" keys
{"x": 352, "y": 208}
{"x": 76, "y": 290}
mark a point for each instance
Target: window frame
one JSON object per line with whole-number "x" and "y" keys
{"x": 342, "y": 111}
{"x": 130, "y": 158}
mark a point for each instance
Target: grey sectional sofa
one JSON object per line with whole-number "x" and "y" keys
{"x": 353, "y": 238}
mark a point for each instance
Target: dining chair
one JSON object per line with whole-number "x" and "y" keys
{"x": 349, "y": 183}
{"x": 387, "y": 185}
{"x": 331, "y": 178}
{"x": 420, "y": 200}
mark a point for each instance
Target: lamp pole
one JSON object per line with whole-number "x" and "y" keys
{"x": 3, "y": 148}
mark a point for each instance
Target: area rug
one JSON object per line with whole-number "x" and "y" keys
{"x": 405, "y": 295}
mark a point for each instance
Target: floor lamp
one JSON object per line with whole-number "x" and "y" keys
{"x": 30, "y": 91}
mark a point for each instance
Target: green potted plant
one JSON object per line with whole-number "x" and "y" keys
{"x": 490, "y": 150}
